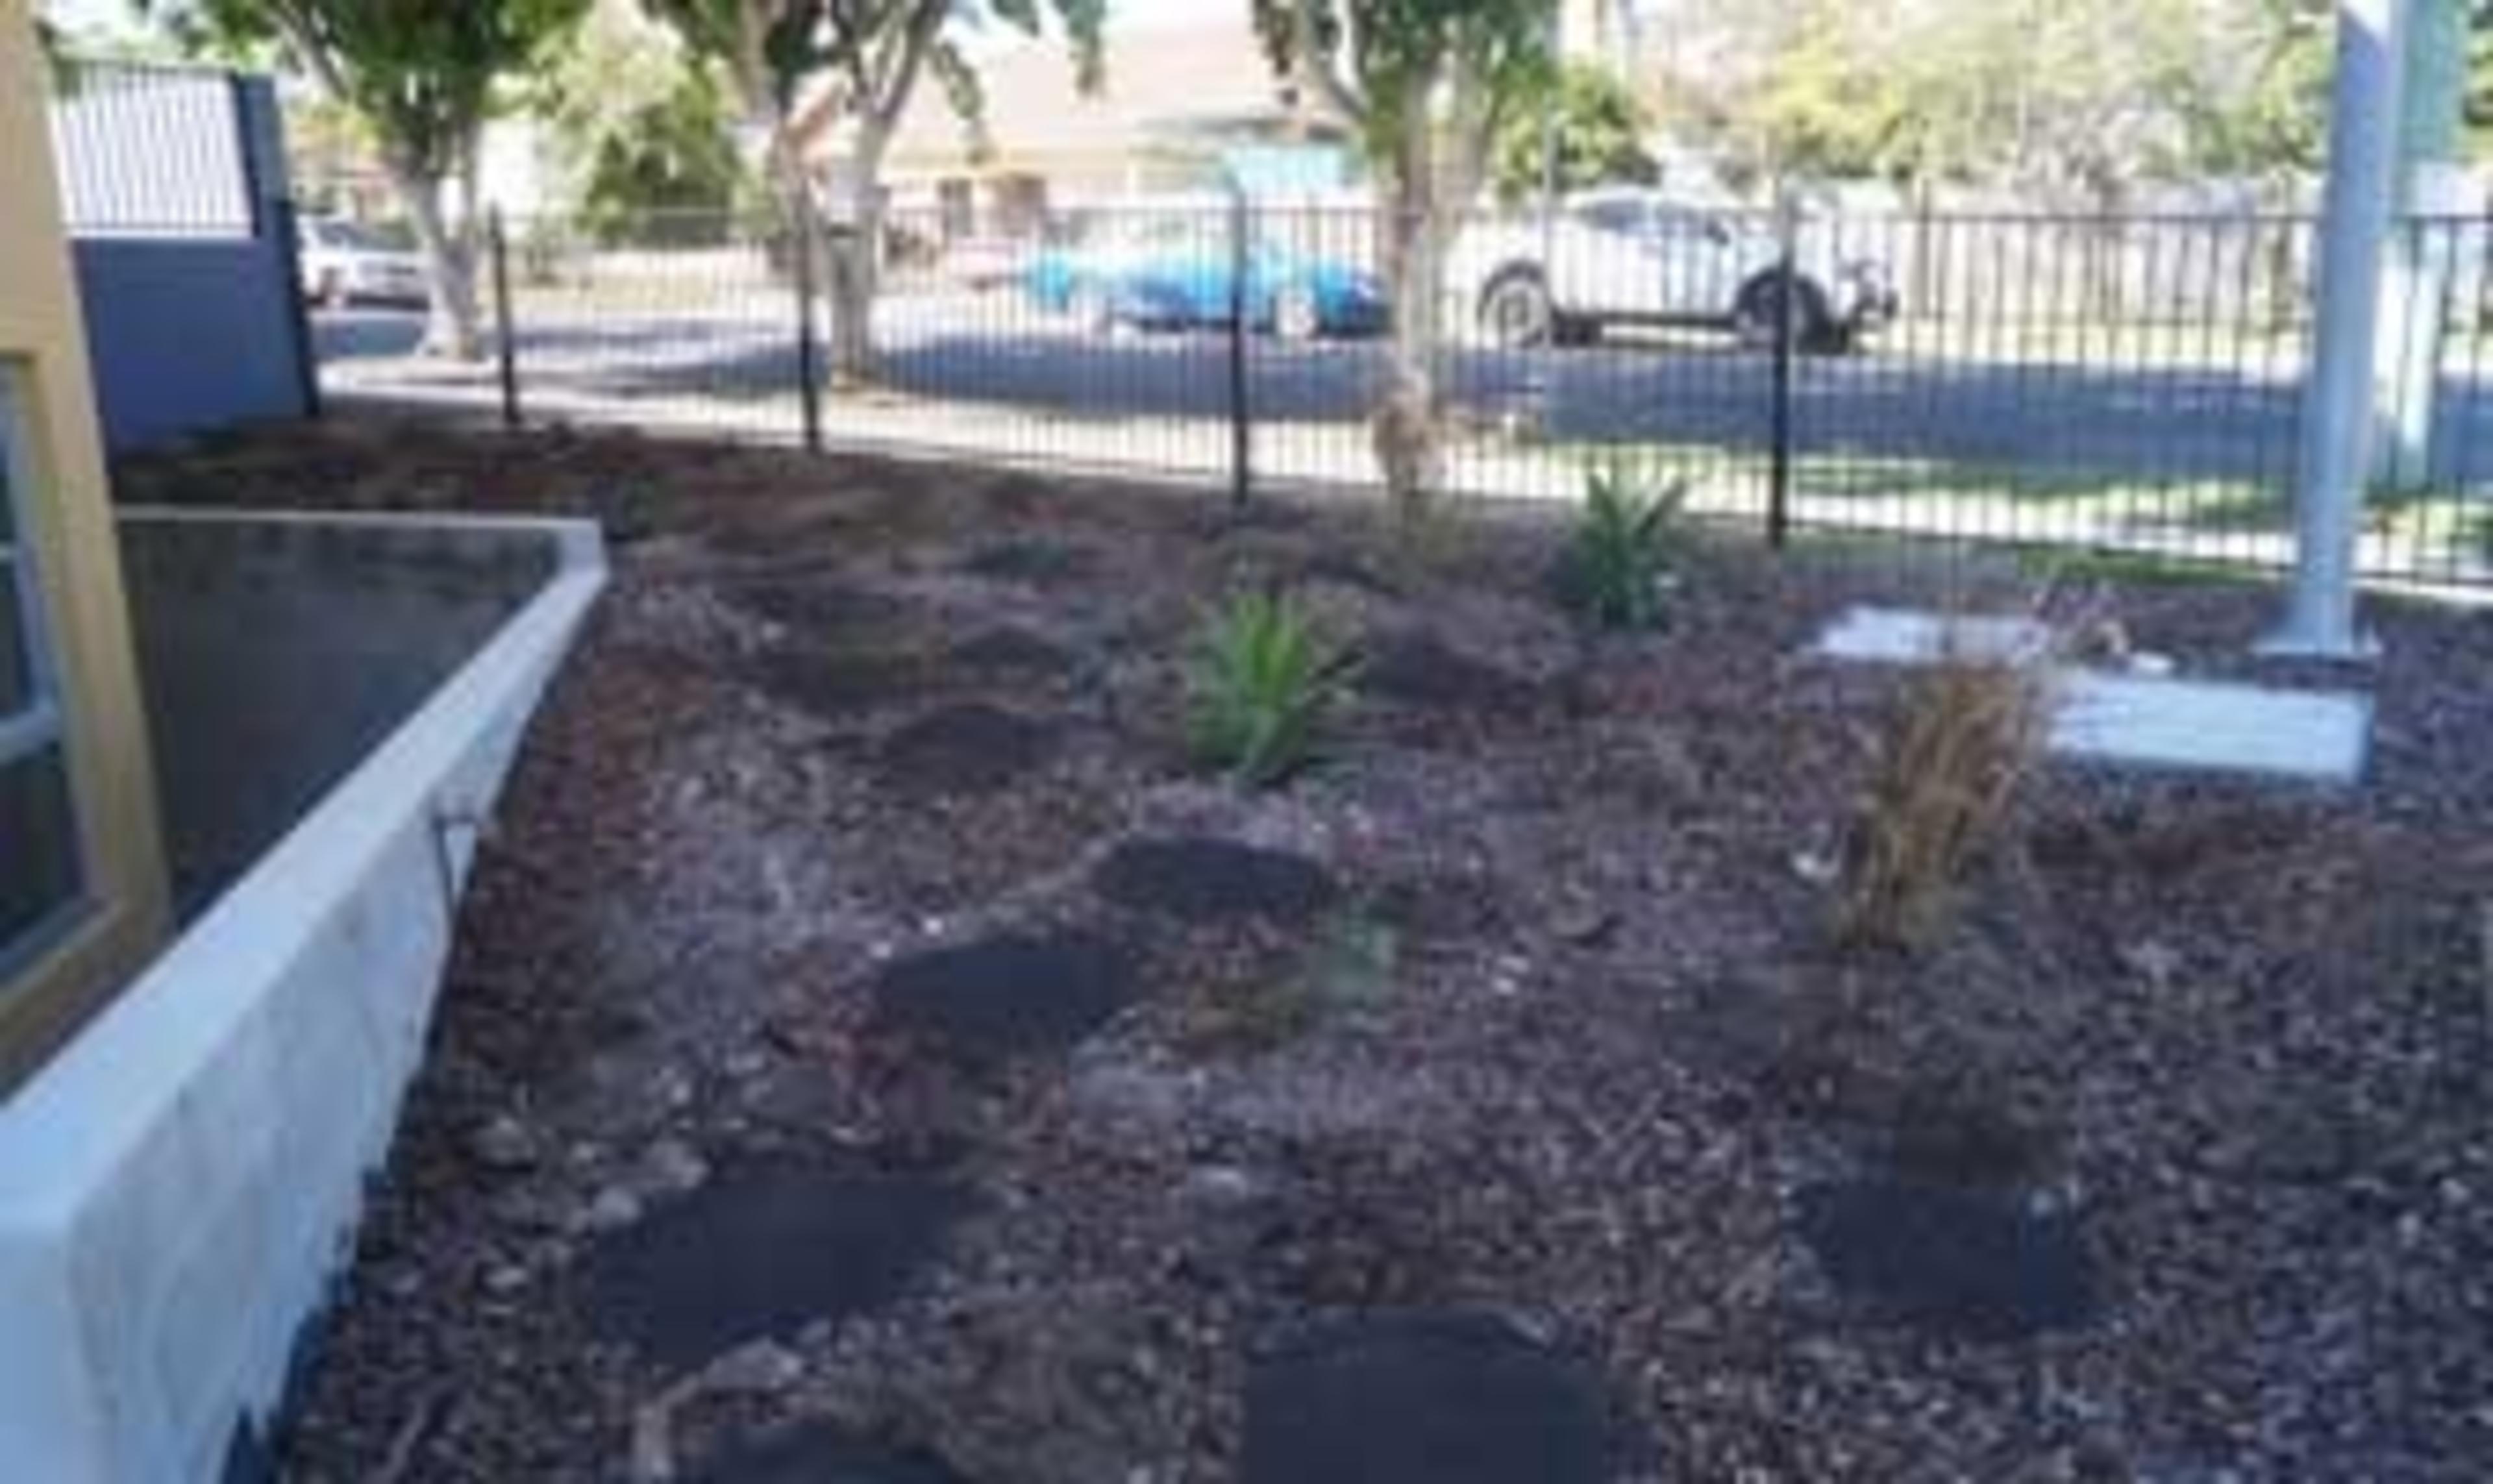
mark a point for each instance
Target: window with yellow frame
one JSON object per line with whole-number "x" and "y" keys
{"x": 42, "y": 878}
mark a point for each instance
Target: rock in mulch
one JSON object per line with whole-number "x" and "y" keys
{"x": 1202, "y": 878}
{"x": 1420, "y": 669}
{"x": 1423, "y": 1398}
{"x": 970, "y": 748}
{"x": 1006, "y": 996}
{"x": 1963, "y": 1263}
{"x": 824, "y": 1454}
{"x": 762, "y": 1250}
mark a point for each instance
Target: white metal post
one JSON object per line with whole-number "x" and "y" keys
{"x": 2338, "y": 389}
{"x": 2426, "y": 268}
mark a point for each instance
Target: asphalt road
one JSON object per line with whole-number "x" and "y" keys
{"x": 2114, "y": 416}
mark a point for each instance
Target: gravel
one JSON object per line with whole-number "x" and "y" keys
{"x": 1569, "y": 1045}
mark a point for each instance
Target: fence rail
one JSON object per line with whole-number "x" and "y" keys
{"x": 2128, "y": 384}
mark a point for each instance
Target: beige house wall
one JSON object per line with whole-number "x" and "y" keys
{"x": 76, "y": 558}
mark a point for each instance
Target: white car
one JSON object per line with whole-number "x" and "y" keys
{"x": 1630, "y": 255}
{"x": 345, "y": 262}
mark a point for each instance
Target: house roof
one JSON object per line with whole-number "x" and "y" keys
{"x": 1162, "y": 85}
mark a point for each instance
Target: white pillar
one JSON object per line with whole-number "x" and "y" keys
{"x": 2338, "y": 389}
{"x": 2427, "y": 255}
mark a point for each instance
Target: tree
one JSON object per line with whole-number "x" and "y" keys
{"x": 2072, "y": 100}
{"x": 1426, "y": 83}
{"x": 640, "y": 133}
{"x": 2266, "y": 114}
{"x": 1830, "y": 102}
{"x": 866, "y": 59}
{"x": 421, "y": 73}
{"x": 2479, "y": 104}
{"x": 1595, "y": 124}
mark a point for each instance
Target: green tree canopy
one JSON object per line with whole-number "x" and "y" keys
{"x": 1426, "y": 84}
{"x": 1594, "y": 126}
{"x": 641, "y": 133}
{"x": 422, "y": 75}
{"x": 851, "y": 67}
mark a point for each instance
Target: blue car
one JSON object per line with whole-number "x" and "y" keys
{"x": 1174, "y": 271}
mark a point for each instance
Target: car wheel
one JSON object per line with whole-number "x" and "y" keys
{"x": 1297, "y": 318}
{"x": 1758, "y": 314}
{"x": 1515, "y": 310}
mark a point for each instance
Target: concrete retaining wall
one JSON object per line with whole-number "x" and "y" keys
{"x": 179, "y": 1188}
{"x": 276, "y": 654}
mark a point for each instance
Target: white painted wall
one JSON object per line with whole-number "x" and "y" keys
{"x": 180, "y": 1186}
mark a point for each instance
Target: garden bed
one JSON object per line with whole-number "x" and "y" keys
{"x": 865, "y": 987}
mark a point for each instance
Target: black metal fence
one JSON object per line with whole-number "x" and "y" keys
{"x": 2126, "y": 384}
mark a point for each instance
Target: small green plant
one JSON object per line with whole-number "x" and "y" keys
{"x": 1627, "y": 539}
{"x": 1262, "y": 686}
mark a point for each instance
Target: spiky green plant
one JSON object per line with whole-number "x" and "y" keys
{"x": 1628, "y": 535}
{"x": 1262, "y": 683}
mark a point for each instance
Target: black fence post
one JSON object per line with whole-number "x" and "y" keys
{"x": 809, "y": 352}
{"x": 285, "y": 239}
{"x": 1787, "y": 297}
{"x": 1242, "y": 440}
{"x": 506, "y": 337}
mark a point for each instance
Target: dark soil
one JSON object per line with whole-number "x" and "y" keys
{"x": 968, "y": 748}
{"x": 2169, "y": 1161}
{"x": 1205, "y": 879}
{"x": 762, "y": 1251}
{"x": 1004, "y": 995}
{"x": 820, "y": 1454}
{"x": 1956, "y": 1260}
{"x": 1424, "y": 1399}
{"x": 1420, "y": 669}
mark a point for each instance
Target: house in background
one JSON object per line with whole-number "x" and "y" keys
{"x": 1184, "y": 105}
{"x": 243, "y": 763}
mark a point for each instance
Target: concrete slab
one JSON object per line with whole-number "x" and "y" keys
{"x": 2145, "y": 719}
{"x": 2209, "y": 726}
{"x": 1915, "y": 637}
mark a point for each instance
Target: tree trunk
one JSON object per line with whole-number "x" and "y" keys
{"x": 855, "y": 263}
{"x": 1408, "y": 429}
{"x": 1416, "y": 193}
{"x": 451, "y": 327}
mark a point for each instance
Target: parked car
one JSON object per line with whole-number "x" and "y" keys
{"x": 984, "y": 263}
{"x": 1632, "y": 255}
{"x": 347, "y": 262}
{"x": 1176, "y": 269}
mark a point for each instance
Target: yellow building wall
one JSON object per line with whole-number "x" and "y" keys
{"x": 70, "y": 534}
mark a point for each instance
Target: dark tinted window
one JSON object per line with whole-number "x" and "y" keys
{"x": 38, "y": 861}
{"x": 1621, "y": 216}
{"x": 39, "y": 848}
